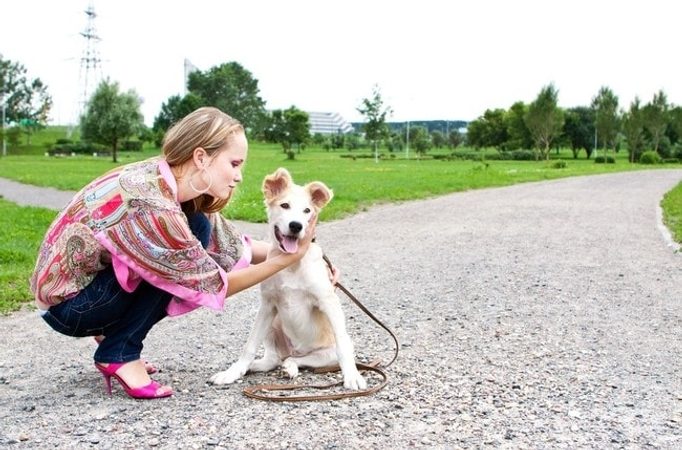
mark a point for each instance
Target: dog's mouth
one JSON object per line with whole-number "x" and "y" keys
{"x": 287, "y": 243}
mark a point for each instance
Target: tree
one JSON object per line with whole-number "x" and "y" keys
{"x": 233, "y": 89}
{"x": 606, "y": 119}
{"x": 27, "y": 102}
{"x": 490, "y": 130}
{"x": 275, "y": 130}
{"x": 288, "y": 127}
{"x": 675, "y": 127}
{"x": 420, "y": 139}
{"x": 297, "y": 125}
{"x": 633, "y": 128}
{"x": 579, "y": 130}
{"x": 396, "y": 141}
{"x": 518, "y": 134}
{"x": 174, "y": 109}
{"x": 656, "y": 118}
{"x": 111, "y": 116}
{"x": 375, "y": 119}
{"x": 544, "y": 120}
{"x": 454, "y": 139}
{"x": 438, "y": 139}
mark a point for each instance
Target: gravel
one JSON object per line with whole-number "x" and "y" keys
{"x": 541, "y": 315}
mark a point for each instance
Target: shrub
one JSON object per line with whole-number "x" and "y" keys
{"x": 518, "y": 155}
{"x": 362, "y": 155}
{"x": 604, "y": 159}
{"x": 85, "y": 148}
{"x": 559, "y": 165}
{"x": 649, "y": 157}
{"x": 677, "y": 153}
{"x": 134, "y": 146}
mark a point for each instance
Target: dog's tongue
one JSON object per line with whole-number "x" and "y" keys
{"x": 290, "y": 244}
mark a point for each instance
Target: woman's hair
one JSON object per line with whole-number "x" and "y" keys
{"x": 208, "y": 128}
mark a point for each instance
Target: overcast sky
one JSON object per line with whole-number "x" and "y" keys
{"x": 431, "y": 59}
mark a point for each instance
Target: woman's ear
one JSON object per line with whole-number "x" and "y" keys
{"x": 200, "y": 157}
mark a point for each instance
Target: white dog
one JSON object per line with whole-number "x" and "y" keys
{"x": 300, "y": 321}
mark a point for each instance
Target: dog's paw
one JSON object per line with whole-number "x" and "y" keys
{"x": 291, "y": 368}
{"x": 354, "y": 381}
{"x": 227, "y": 376}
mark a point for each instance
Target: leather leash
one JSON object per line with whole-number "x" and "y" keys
{"x": 259, "y": 391}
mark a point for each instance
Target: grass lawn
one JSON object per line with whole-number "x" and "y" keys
{"x": 21, "y": 232}
{"x": 357, "y": 183}
{"x": 672, "y": 212}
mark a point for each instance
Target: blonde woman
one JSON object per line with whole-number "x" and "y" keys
{"x": 147, "y": 240}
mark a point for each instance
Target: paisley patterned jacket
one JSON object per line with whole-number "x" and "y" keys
{"x": 130, "y": 218}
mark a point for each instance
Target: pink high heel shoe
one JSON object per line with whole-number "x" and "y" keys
{"x": 149, "y": 367}
{"x": 145, "y": 392}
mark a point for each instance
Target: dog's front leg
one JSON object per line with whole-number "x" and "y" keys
{"x": 264, "y": 318}
{"x": 344, "y": 345}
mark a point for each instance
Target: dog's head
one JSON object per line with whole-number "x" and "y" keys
{"x": 290, "y": 207}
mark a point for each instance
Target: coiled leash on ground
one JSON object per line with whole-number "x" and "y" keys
{"x": 259, "y": 391}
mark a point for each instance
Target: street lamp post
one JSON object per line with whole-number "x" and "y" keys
{"x": 407, "y": 141}
{"x": 596, "y": 152}
{"x": 4, "y": 139}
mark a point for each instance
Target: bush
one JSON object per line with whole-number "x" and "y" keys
{"x": 559, "y": 165}
{"x": 649, "y": 157}
{"x": 132, "y": 146}
{"x": 604, "y": 159}
{"x": 518, "y": 155}
{"x": 671, "y": 161}
{"x": 85, "y": 148}
{"x": 362, "y": 155}
{"x": 677, "y": 153}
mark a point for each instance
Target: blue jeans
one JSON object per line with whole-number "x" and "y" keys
{"x": 124, "y": 318}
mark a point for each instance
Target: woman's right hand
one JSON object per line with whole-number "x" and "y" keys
{"x": 277, "y": 260}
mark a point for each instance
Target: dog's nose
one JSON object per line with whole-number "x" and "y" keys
{"x": 295, "y": 227}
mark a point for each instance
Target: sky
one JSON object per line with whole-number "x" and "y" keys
{"x": 430, "y": 59}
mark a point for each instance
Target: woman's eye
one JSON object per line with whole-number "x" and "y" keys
{"x": 307, "y": 210}
{"x": 284, "y": 206}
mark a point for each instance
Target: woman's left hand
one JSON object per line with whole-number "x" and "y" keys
{"x": 334, "y": 274}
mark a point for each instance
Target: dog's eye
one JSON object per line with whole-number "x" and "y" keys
{"x": 284, "y": 206}
{"x": 307, "y": 210}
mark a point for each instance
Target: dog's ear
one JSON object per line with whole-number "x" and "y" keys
{"x": 320, "y": 193}
{"x": 275, "y": 183}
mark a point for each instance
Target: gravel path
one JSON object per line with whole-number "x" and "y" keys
{"x": 541, "y": 315}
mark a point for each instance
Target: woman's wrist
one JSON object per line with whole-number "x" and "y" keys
{"x": 284, "y": 260}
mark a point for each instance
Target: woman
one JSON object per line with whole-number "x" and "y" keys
{"x": 147, "y": 240}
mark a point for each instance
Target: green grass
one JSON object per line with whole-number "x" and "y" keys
{"x": 21, "y": 232}
{"x": 672, "y": 212}
{"x": 41, "y": 141}
{"x": 357, "y": 184}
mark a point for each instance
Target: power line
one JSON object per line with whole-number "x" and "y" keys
{"x": 91, "y": 63}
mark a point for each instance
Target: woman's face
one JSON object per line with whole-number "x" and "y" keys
{"x": 226, "y": 166}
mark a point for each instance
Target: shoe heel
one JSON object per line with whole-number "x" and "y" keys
{"x": 145, "y": 392}
{"x": 107, "y": 373}
{"x": 107, "y": 383}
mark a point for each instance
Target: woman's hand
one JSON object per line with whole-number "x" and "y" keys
{"x": 334, "y": 274}
{"x": 238, "y": 280}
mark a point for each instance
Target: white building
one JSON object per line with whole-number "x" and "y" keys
{"x": 328, "y": 123}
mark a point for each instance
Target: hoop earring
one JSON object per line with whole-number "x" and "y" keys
{"x": 205, "y": 190}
